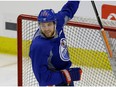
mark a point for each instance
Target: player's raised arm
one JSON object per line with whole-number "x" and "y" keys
{"x": 68, "y": 10}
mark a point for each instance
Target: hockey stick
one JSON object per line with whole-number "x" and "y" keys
{"x": 102, "y": 30}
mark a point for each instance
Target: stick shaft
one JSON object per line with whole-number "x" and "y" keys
{"x": 102, "y": 30}
{"x": 96, "y": 13}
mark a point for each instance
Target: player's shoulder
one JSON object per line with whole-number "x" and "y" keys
{"x": 38, "y": 42}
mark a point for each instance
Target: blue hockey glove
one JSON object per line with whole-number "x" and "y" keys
{"x": 72, "y": 74}
{"x": 75, "y": 73}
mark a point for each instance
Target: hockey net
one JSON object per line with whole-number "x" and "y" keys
{"x": 86, "y": 48}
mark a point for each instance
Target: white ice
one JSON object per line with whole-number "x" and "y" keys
{"x": 8, "y": 70}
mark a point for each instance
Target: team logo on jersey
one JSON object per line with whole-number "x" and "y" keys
{"x": 63, "y": 50}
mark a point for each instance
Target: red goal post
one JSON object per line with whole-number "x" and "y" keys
{"x": 79, "y": 23}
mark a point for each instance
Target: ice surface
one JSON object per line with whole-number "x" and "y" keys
{"x": 8, "y": 70}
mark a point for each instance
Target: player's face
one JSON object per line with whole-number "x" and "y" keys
{"x": 48, "y": 29}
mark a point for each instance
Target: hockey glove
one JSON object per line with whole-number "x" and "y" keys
{"x": 75, "y": 73}
{"x": 72, "y": 74}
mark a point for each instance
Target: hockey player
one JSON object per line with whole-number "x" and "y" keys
{"x": 48, "y": 50}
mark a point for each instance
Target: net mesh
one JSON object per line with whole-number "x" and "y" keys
{"x": 86, "y": 49}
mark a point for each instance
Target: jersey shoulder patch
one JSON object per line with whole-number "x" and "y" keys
{"x": 63, "y": 51}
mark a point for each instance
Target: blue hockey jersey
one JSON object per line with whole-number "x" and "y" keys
{"x": 49, "y": 56}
